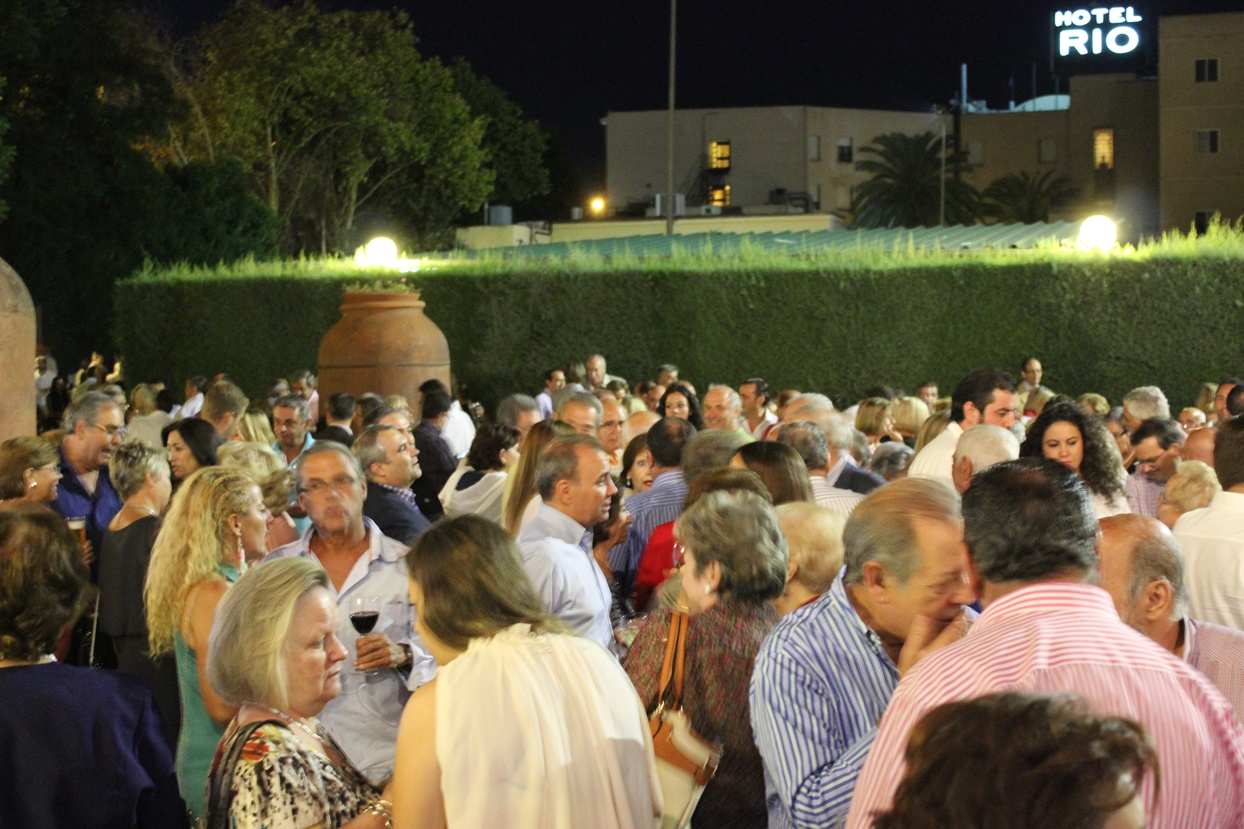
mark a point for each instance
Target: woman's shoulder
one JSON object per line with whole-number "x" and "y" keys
{"x": 262, "y": 745}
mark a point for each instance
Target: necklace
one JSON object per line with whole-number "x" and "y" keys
{"x": 141, "y": 508}
{"x": 315, "y": 733}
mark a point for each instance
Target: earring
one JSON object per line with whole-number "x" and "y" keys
{"x": 34, "y": 484}
{"x": 708, "y": 590}
{"x": 241, "y": 550}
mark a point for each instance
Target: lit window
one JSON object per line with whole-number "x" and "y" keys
{"x": 719, "y": 155}
{"x": 846, "y": 151}
{"x": 1047, "y": 151}
{"x": 1103, "y": 149}
{"x": 814, "y": 148}
{"x": 1206, "y": 142}
{"x": 1207, "y": 70}
{"x": 719, "y": 196}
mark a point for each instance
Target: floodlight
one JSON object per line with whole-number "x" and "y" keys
{"x": 380, "y": 252}
{"x": 1098, "y": 233}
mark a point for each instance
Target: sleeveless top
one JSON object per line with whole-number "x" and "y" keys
{"x": 199, "y": 732}
{"x": 565, "y": 740}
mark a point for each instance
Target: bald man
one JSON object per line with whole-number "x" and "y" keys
{"x": 1142, "y": 568}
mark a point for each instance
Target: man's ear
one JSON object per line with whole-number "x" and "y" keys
{"x": 876, "y": 581}
{"x": 791, "y": 569}
{"x": 1155, "y": 600}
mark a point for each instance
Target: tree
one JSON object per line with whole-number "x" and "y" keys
{"x": 905, "y": 188}
{"x": 516, "y": 145}
{"x": 331, "y": 113}
{"x": 1027, "y": 198}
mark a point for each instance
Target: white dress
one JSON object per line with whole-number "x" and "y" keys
{"x": 1105, "y": 507}
{"x": 543, "y": 731}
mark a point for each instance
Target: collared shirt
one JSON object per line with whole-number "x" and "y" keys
{"x": 1142, "y": 494}
{"x": 1057, "y": 637}
{"x": 365, "y": 717}
{"x": 73, "y": 501}
{"x": 835, "y": 471}
{"x": 545, "y": 401}
{"x": 557, "y": 552}
{"x": 766, "y": 421}
{"x": 841, "y": 501}
{"x": 937, "y": 458}
{"x": 822, "y": 681}
{"x": 191, "y": 407}
{"x": 1213, "y": 542}
{"x": 1218, "y": 653}
{"x": 306, "y": 444}
{"x": 405, "y": 494}
{"x": 661, "y": 504}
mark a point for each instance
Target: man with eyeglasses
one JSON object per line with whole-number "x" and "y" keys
{"x": 389, "y": 663}
{"x": 94, "y": 427}
{"x": 1158, "y": 443}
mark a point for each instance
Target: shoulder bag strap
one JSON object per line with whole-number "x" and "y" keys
{"x": 680, "y": 620}
{"x": 667, "y": 667}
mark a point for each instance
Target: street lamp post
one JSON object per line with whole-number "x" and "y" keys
{"x": 669, "y": 159}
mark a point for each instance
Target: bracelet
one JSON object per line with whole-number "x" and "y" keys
{"x": 383, "y": 809}
{"x": 399, "y": 657}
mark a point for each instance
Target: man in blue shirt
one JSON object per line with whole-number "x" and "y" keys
{"x": 826, "y": 672}
{"x": 94, "y": 427}
{"x": 575, "y": 487}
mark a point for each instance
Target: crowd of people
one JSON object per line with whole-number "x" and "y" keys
{"x": 1000, "y": 607}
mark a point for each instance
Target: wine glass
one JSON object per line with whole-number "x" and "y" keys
{"x": 364, "y": 614}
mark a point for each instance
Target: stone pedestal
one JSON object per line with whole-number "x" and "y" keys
{"x": 17, "y": 356}
{"x": 384, "y": 344}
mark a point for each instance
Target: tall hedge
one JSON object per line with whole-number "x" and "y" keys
{"x": 1098, "y": 324}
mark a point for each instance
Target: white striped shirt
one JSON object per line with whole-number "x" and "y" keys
{"x": 1057, "y": 637}
{"x": 820, "y": 684}
{"x": 841, "y": 501}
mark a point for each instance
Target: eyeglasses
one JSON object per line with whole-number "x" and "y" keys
{"x": 318, "y": 488}
{"x": 113, "y": 432}
{"x": 1150, "y": 462}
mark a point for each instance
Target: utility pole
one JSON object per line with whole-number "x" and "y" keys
{"x": 669, "y": 150}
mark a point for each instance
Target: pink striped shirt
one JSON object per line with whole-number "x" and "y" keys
{"x": 1218, "y": 653}
{"x": 1058, "y": 637}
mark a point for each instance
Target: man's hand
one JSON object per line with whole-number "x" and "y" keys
{"x": 929, "y": 635}
{"x": 376, "y": 651}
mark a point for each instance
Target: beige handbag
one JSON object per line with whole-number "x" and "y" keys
{"x": 685, "y": 760}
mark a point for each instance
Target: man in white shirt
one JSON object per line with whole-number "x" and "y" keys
{"x": 986, "y": 395}
{"x": 575, "y": 487}
{"x": 195, "y": 387}
{"x": 754, "y": 397}
{"x": 554, "y": 381}
{"x": 1213, "y": 538}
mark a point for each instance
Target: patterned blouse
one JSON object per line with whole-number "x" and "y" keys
{"x": 278, "y": 782}
{"x": 721, "y": 649}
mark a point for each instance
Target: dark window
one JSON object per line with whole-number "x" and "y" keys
{"x": 1207, "y": 70}
{"x": 1201, "y": 222}
{"x": 846, "y": 151}
{"x": 1206, "y": 142}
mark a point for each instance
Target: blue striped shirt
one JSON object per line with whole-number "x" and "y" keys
{"x": 661, "y": 504}
{"x": 821, "y": 683}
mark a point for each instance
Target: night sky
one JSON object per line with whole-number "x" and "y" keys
{"x": 569, "y": 63}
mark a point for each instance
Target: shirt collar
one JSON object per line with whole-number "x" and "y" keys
{"x": 1043, "y": 598}
{"x": 841, "y": 602}
{"x": 561, "y": 525}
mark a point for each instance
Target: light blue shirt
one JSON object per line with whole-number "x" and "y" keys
{"x": 661, "y": 504}
{"x": 821, "y": 683}
{"x": 557, "y": 553}
{"x": 365, "y": 717}
{"x": 301, "y": 524}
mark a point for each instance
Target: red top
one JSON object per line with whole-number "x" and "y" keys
{"x": 656, "y": 560}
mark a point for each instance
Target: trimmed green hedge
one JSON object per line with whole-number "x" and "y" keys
{"x": 1104, "y": 324}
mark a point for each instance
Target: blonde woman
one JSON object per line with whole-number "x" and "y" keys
{"x": 875, "y": 418}
{"x": 910, "y": 413}
{"x": 253, "y": 427}
{"x": 217, "y": 519}
{"x": 276, "y": 483}
{"x": 517, "y": 507}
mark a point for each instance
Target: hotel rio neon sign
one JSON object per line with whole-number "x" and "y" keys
{"x": 1100, "y": 39}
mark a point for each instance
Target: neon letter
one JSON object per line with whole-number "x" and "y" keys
{"x": 1116, "y": 35}
{"x": 1072, "y": 39}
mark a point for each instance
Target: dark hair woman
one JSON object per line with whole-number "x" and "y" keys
{"x": 680, "y": 401}
{"x": 476, "y": 487}
{"x": 192, "y": 445}
{"x": 1066, "y": 433}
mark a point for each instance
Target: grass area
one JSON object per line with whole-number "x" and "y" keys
{"x": 1223, "y": 240}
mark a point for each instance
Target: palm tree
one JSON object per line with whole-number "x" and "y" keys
{"x": 905, "y": 188}
{"x": 1024, "y": 197}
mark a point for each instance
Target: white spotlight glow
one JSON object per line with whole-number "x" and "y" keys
{"x": 1098, "y": 233}
{"x": 380, "y": 252}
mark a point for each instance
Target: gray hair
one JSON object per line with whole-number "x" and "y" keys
{"x": 710, "y": 449}
{"x": 814, "y": 537}
{"x": 296, "y": 402}
{"x": 250, "y": 628}
{"x": 583, "y": 399}
{"x": 732, "y": 398}
{"x": 839, "y": 434}
{"x": 891, "y": 459}
{"x": 132, "y": 462}
{"x": 808, "y": 439}
{"x": 87, "y": 407}
{"x": 560, "y": 462}
{"x": 985, "y": 445}
{"x": 1196, "y": 487}
{"x": 367, "y": 449}
{"x": 739, "y": 531}
{"x": 1159, "y": 556}
{"x": 1145, "y": 402}
{"x": 813, "y": 407}
{"x": 509, "y": 409}
{"x": 325, "y": 447}
{"x": 882, "y": 527}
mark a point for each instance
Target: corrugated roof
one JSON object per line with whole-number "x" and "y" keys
{"x": 955, "y": 237}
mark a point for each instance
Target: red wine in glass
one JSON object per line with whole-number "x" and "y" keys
{"x": 364, "y": 621}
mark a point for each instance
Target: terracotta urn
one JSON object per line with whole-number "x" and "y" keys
{"x": 385, "y": 344}
{"x": 17, "y": 355}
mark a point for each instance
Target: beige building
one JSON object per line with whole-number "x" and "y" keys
{"x": 1201, "y": 85}
{"x": 750, "y": 160}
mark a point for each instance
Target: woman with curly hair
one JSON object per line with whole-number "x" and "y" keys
{"x": 217, "y": 520}
{"x": 1066, "y": 433}
{"x": 680, "y": 401}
